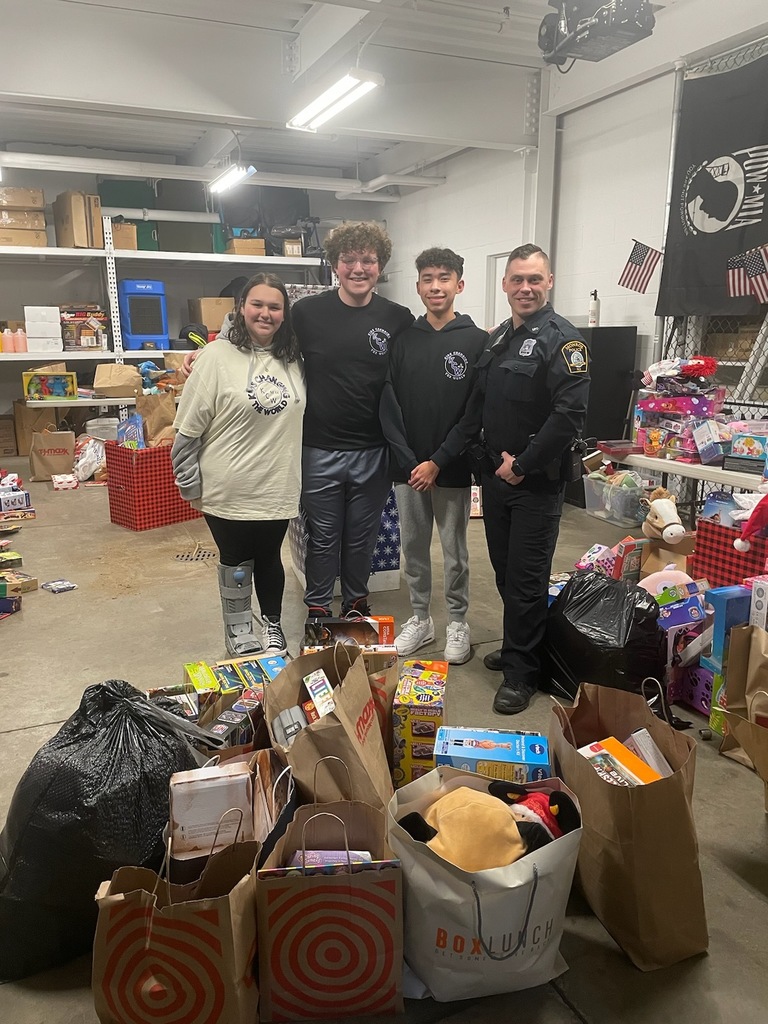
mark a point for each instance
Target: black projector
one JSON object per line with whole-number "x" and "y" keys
{"x": 588, "y": 30}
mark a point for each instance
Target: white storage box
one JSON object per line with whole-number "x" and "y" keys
{"x": 42, "y": 314}
{"x": 105, "y": 428}
{"x": 43, "y": 329}
{"x": 45, "y": 344}
{"x": 200, "y": 800}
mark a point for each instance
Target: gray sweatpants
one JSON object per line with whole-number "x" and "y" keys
{"x": 449, "y": 508}
{"x": 342, "y": 494}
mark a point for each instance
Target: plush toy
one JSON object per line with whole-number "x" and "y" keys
{"x": 664, "y": 579}
{"x": 662, "y": 521}
{"x": 756, "y": 523}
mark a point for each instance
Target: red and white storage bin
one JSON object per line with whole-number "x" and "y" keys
{"x": 142, "y": 492}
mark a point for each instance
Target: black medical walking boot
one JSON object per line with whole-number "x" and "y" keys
{"x": 493, "y": 661}
{"x": 512, "y": 697}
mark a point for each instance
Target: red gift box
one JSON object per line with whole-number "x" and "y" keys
{"x": 142, "y": 491}
{"x": 718, "y": 561}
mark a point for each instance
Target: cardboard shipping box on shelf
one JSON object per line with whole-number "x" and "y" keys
{"x": 21, "y": 198}
{"x": 246, "y": 246}
{"x": 124, "y": 235}
{"x": 29, "y": 220}
{"x": 77, "y": 220}
{"x": 22, "y": 236}
{"x": 210, "y": 312}
{"x": 116, "y": 381}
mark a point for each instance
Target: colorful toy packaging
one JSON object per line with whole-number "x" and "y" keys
{"x": 512, "y": 756}
{"x": 53, "y": 386}
{"x": 417, "y": 714}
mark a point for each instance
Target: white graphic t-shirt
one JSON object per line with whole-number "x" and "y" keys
{"x": 248, "y": 409}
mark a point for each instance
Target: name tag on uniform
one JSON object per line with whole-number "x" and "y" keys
{"x": 528, "y": 346}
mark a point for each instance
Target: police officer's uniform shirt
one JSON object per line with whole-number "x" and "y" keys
{"x": 247, "y": 408}
{"x": 346, "y": 355}
{"x": 535, "y": 381}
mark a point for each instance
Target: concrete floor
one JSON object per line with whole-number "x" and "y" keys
{"x": 139, "y": 614}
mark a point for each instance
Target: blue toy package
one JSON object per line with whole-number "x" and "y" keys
{"x": 130, "y": 433}
{"x": 514, "y": 756}
{"x": 718, "y": 507}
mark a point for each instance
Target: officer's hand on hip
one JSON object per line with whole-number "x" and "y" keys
{"x": 505, "y": 471}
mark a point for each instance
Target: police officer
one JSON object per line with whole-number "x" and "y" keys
{"x": 534, "y": 381}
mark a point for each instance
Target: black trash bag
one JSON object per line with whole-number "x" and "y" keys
{"x": 93, "y": 799}
{"x": 604, "y": 631}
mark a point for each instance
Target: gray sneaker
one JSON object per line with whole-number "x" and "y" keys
{"x": 415, "y": 633}
{"x": 457, "y": 646}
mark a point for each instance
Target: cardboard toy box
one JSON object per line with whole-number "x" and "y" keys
{"x": 21, "y": 198}
{"x": 200, "y": 800}
{"x": 513, "y": 756}
{"x": 84, "y": 327}
{"x": 417, "y": 713}
{"x": 14, "y": 499}
{"x": 210, "y": 312}
{"x": 371, "y": 631}
{"x": 49, "y": 386}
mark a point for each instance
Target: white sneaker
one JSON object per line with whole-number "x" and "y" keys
{"x": 274, "y": 638}
{"x": 457, "y": 648}
{"x": 415, "y": 633}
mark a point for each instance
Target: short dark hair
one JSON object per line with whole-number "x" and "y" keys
{"x": 524, "y": 252}
{"x": 437, "y": 257}
{"x": 358, "y": 237}
{"x": 285, "y": 344}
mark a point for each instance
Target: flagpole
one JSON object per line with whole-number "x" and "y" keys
{"x": 677, "y": 106}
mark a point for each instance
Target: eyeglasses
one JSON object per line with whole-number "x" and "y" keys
{"x": 366, "y": 262}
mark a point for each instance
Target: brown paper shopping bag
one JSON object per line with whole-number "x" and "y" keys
{"x": 746, "y": 679}
{"x": 51, "y": 452}
{"x": 158, "y": 413}
{"x": 639, "y": 858}
{"x": 178, "y": 952}
{"x": 350, "y": 732}
{"x": 383, "y": 677}
{"x": 331, "y": 939}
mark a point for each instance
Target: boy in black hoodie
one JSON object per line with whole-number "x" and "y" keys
{"x": 425, "y": 420}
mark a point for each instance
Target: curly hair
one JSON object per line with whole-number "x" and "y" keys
{"x": 362, "y": 236}
{"x": 437, "y": 257}
{"x": 285, "y": 344}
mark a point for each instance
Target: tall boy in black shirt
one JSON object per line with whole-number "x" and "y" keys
{"x": 425, "y": 420}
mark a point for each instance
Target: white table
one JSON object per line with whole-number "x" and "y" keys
{"x": 691, "y": 471}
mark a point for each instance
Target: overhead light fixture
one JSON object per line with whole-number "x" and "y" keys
{"x": 233, "y": 175}
{"x": 354, "y": 85}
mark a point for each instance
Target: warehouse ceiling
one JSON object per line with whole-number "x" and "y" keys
{"x": 199, "y": 84}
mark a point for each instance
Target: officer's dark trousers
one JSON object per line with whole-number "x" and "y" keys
{"x": 521, "y": 527}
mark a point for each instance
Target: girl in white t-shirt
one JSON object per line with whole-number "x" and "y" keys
{"x": 237, "y": 456}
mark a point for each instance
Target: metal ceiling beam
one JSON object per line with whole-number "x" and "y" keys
{"x": 214, "y": 144}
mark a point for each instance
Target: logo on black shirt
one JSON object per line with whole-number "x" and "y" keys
{"x": 456, "y": 364}
{"x": 268, "y": 395}
{"x": 379, "y": 341}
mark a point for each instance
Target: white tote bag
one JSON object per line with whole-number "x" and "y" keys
{"x": 470, "y": 935}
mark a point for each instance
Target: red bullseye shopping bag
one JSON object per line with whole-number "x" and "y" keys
{"x": 179, "y": 953}
{"x": 330, "y": 937}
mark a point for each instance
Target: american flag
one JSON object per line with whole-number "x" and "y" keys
{"x": 738, "y": 284}
{"x": 756, "y": 263}
{"x": 641, "y": 264}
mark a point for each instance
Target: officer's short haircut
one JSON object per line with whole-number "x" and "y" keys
{"x": 437, "y": 257}
{"x": 524, "y": 252}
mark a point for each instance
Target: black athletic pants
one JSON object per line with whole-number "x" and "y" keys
{"x": 260, "y": 540}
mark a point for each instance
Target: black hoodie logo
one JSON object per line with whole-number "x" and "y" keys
{"x": 456, "y": 364}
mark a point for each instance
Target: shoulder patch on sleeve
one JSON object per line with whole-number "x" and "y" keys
{"x": 576, "y": 356}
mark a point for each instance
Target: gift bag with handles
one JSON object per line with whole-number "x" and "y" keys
{"x": 639, "y": 858}
{"x": 471, "y": 934}
{"x": 179, "y": 952}
{"x": 746, "y": 695}
{"x": 51, "y": 452}
{"x": 331, "y": 937}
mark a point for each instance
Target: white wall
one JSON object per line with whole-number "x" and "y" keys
{"x": 612, "y": 187}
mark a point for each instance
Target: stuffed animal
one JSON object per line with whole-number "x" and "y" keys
{"x": 662, "y": 521}
{"x": 756, "y": 523}
{"x": 664, "y": 579}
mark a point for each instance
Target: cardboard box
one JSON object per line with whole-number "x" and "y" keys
{"x": 417, "y": 714}
{"x": 115, "y": 381}
{"x": 77, "y": 220}
{"x": 750, "y": 446}
{"x": 44, "y": 344}
{"x": 26, "y": 421}
{"x": 30, "y": 220}
{"x": 200, "y": 801}
{"x": 247, "y": 247}
{"x": 21, "y": 198}
{"x": 21, "y": 236}
{"x": 14, "y": 583}
{"x": 656, "y": 556}
{"x": 629, "y": 555}
{"x": 14, "y": 500}
{"x": 510, "y": 755}
{"x": 7, "y": 437}
{"x": 758, "y": 606}
{"x": 43, "y": 329}
{"x": 84, "y": 327}
{"x": 371, "y": 631}
{"x": 210, "y": 312}
{"x": 476, "y": 502}
{"x": 42, "y": 314}
{"x": 124, "y": 235}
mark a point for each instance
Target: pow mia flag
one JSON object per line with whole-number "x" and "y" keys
{"x": 719, "y": 191}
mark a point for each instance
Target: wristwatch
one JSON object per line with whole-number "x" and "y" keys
{"x": 517, "y": 469}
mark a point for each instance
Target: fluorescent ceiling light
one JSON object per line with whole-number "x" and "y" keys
{"x": 232, "y": 176}
{"x": 355, "y": 84}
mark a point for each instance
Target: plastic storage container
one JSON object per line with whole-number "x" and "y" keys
{"x": 618, "y": 505}
{"x": 104, "y": 428}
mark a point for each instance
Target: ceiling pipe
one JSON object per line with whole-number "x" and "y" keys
{"x": 369, "y": 197}
{"x": 406, "y": 180}
{"x": 172, "y": 216}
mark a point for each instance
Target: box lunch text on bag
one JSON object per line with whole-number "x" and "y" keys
{"x": 471, "y": 934}
{"x": 639, "y": 858}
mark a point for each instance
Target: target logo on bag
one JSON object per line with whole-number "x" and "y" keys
{"x": 334, "y": 949}
{"x": 175, "y": 978}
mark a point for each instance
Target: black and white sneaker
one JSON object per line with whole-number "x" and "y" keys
{"x": 274, "y": 638}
